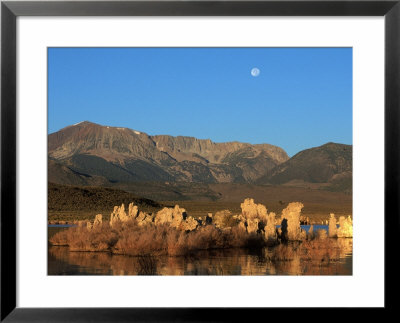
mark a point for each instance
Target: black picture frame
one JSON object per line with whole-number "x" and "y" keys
{"x": 10, "y": 10}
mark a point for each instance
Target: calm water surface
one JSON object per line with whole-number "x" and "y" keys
{"x": 214, "y": 262}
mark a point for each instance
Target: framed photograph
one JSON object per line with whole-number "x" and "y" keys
{"x": 161, "y": 159}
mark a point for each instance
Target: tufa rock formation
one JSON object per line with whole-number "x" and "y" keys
{"x": 292, "y": 214}
{"x": 225, "y": 219}
{"x": 176, "y": 218}
{"x": 89, "y": 225}
{"x": 311, "y": 234}
{"x": 119, "y": 213}
{"x": 251, "y": 210}
{"x": 164, "y": 216}
{"x": 98, "y": 220}
{"x": 283, "y": 231}
{"x": 242, "y": 225}
{"x": 144, "y": 218}
{"x": 269, "y": 229}
{"x": 252, "y": 225}
{"x": 332, "y": 230}
{"x": 132, "y": 210}
{"x": 345, "y": 229}
{"x": 254, "y": 219}
{"x": 189, "y": 224}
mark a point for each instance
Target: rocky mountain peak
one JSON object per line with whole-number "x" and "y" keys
{"x": 177, "y": 158}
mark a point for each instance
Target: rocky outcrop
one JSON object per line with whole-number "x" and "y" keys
{"x": 189, "y": 224}
{"x": 252, "y": 210}
{"x": 292, "y": 215}
{"x": 223, "y": 219}
{"x": 173, "y": 216}
{"x": 283, "y": 232}
{"x": 332, "y": 229}
{"x": 254, "y": 219}
{"x": 132, "y": 210}
{"x": 345, "y": 229}
{"x": 270, "y": 229}
{"x": 164, "y": 216}
{"x": 242, "y": 225}
{"x": 176, "y": 217}
{"x": 98, "y": 220}
{"x": 252, "y": 225}
{"x": 311, "y": 234}
{"x": 89, "y": 225}
{"x": 144, "y": 218}
{"x": 120, "y": 215}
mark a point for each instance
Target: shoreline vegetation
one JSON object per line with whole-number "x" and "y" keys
{"x": 172, "y": 232}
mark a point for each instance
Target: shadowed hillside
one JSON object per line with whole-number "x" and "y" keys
{"x": 329, "y": 163}
{"x": 65, "y": 198}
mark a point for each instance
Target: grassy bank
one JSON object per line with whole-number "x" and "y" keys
{"x": 132, "y": 239}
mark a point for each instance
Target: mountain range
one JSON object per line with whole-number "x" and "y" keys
{"x": 91, "y": 154}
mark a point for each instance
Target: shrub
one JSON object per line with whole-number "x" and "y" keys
{"x": 131, "y": 239}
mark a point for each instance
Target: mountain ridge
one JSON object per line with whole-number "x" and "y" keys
{"x": 91, "y": 154}
{"x": 329, "y": 163}
{"x": 159, "y": 157}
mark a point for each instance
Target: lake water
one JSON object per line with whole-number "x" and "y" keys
{"x": 214, "y": 262}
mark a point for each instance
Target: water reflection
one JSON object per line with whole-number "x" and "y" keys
{"x": 329, "y": 257}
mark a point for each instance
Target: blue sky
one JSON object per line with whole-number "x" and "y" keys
{"x": 302, "y": 97}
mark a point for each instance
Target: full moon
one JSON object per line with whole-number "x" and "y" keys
{"x": 255, "y": 72}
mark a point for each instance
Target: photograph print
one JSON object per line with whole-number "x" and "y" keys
{"x": 200, "y": 161}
